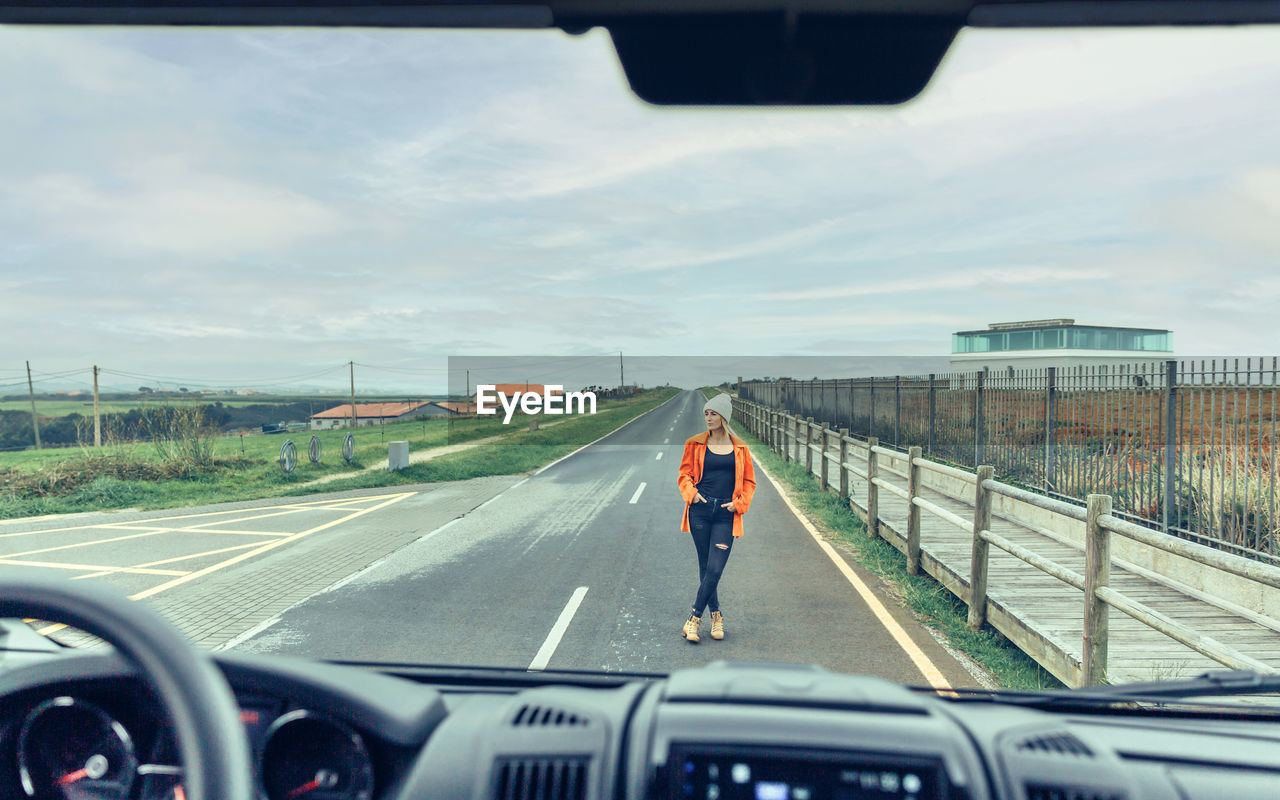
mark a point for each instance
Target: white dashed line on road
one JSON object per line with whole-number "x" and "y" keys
{"x": 666, "y": 441}
{"x": 639, "y": 491}
{"x": 548, "y": 648}
{"x": 659, "y": 458}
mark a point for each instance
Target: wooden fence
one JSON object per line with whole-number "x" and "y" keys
{"x": 958, "y": 500}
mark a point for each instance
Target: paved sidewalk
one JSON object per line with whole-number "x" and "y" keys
{"x": 419, "y": 456}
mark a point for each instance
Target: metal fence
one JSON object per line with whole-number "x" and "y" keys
{"x": 1118, "y": 429}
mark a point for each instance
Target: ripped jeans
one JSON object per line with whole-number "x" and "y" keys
{"x": 712, "y": 529}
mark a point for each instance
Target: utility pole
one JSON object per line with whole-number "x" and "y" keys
{"x": 97, "y": 418}
{"x": 622, "y": 376}
{"x": 31, "y": 393}
{"x": 467, "y": 397}
{"x": 352, "y": 365}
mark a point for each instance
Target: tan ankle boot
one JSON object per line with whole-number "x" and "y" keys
{"x": 691, "y": 626}
{"x": 717, "y": 625}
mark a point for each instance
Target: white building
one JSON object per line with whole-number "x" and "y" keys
{"x": 373, "y": 414}
{"x": 1036, "y": 344}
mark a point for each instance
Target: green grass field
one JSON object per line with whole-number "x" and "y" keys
{"x": 87, "y": 479}
{"x": 83, "y": 403}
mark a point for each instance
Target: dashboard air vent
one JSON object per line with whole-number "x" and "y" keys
{"x": 1039, "y": 791}
{"x": 542, "y": 779}
{"x": 1062, "y": 744}
{"x": 535, "y": 716}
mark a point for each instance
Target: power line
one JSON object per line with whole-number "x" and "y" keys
{"x": 275, "y": 382}
{"x": 402, "y": 369}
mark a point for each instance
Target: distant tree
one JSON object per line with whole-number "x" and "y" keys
{"x": 183, "y": 389}
{"x": 145, "y": 389}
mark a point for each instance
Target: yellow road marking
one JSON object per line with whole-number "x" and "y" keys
{"x": 89, "y": 567}
{"x": 299, "y": 506}
{"x": 927, "y": 668}
{"x": 86, "y": 544}
{"x": 329, "y": 508}
{"x": 221, "y": 531}
{"x": 123, "y": 538}
{"x": 171, "y": 560}
{"x": 265, "y": 548}
{"x": 183, "y": 577}
{"x": 205, "y": 525}
{"x": 331, "y": 504}
{"x": 188, "y": 529}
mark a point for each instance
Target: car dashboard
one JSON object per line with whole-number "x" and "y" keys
{"x": 82, "y": 725}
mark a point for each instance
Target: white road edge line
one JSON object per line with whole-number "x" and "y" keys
{"x": 588, "y": 444}
{"x": 241, "y": 638}
{"x": 639, "y": 491}
{"x": 927, "y": 668}
{"x": 496, "y": 496}
{"x": 548, "y": 648}
{"x": 659, "y": 458}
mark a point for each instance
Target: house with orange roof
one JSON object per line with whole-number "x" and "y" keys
{"x": 456, "y": 407}
{"x": 374, "y": 414}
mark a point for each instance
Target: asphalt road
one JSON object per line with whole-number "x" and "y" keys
{"x": 583, "y": 566}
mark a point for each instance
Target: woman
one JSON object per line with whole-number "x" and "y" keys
{"x": 717, "y": 482}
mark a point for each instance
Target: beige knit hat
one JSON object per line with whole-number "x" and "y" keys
{"x": 722, "y": 404}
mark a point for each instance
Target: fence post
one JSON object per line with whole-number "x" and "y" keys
{"x": 1168, "y": 477}
{"x": 913, "y": 511}
{"x": 824, "y": 467}
{"x": 844, "y": 468}
{"x": 980, "y": 423}
{"x": 871, "y": 408}
{"x": 897, "y": 407}
{"x": 1097, "y": 572}
{"x": 978, "y": 562}
{"x": 1050, "y": 423}
{"x": 873, "y": 491}
{"x": 932, "y": 412}
{"x": 808, "y": 445}
{"x": 786, "y": 436}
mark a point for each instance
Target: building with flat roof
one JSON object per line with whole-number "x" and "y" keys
{"x": 1036, "y": 344}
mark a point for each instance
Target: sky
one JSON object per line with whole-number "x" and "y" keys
{"x": 260, "y": 208}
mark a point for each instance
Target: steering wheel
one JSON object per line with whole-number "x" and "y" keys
{"x": 206, "y": 720}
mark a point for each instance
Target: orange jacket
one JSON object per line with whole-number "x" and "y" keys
{"x": 744, "y": 483}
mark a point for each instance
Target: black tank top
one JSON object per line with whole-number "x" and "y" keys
{"x": 717, "y": 475}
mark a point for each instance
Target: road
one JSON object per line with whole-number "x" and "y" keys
{"x": 578, "y": 566}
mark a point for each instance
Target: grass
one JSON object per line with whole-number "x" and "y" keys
{"x": 927, "y": 599}
{"x": 135, "y": 476}
{"x": 112, "y": 403}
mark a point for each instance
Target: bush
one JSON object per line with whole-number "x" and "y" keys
{"x": 183, "y": 438}
{"x": 108, "y": 492}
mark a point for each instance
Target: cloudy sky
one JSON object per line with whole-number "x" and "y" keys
{"x": 258, "y": 208}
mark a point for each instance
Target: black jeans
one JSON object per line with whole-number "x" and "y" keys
{"x": 710, "y": 526}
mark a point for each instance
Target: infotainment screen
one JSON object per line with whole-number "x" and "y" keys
{"x": 702, "y": 773}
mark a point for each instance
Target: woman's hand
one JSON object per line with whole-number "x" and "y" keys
{"x": 698, "y": 498}
{"x": 729, "y": 507}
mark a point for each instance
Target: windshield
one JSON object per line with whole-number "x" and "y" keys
{"x": 442, "y": 348}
